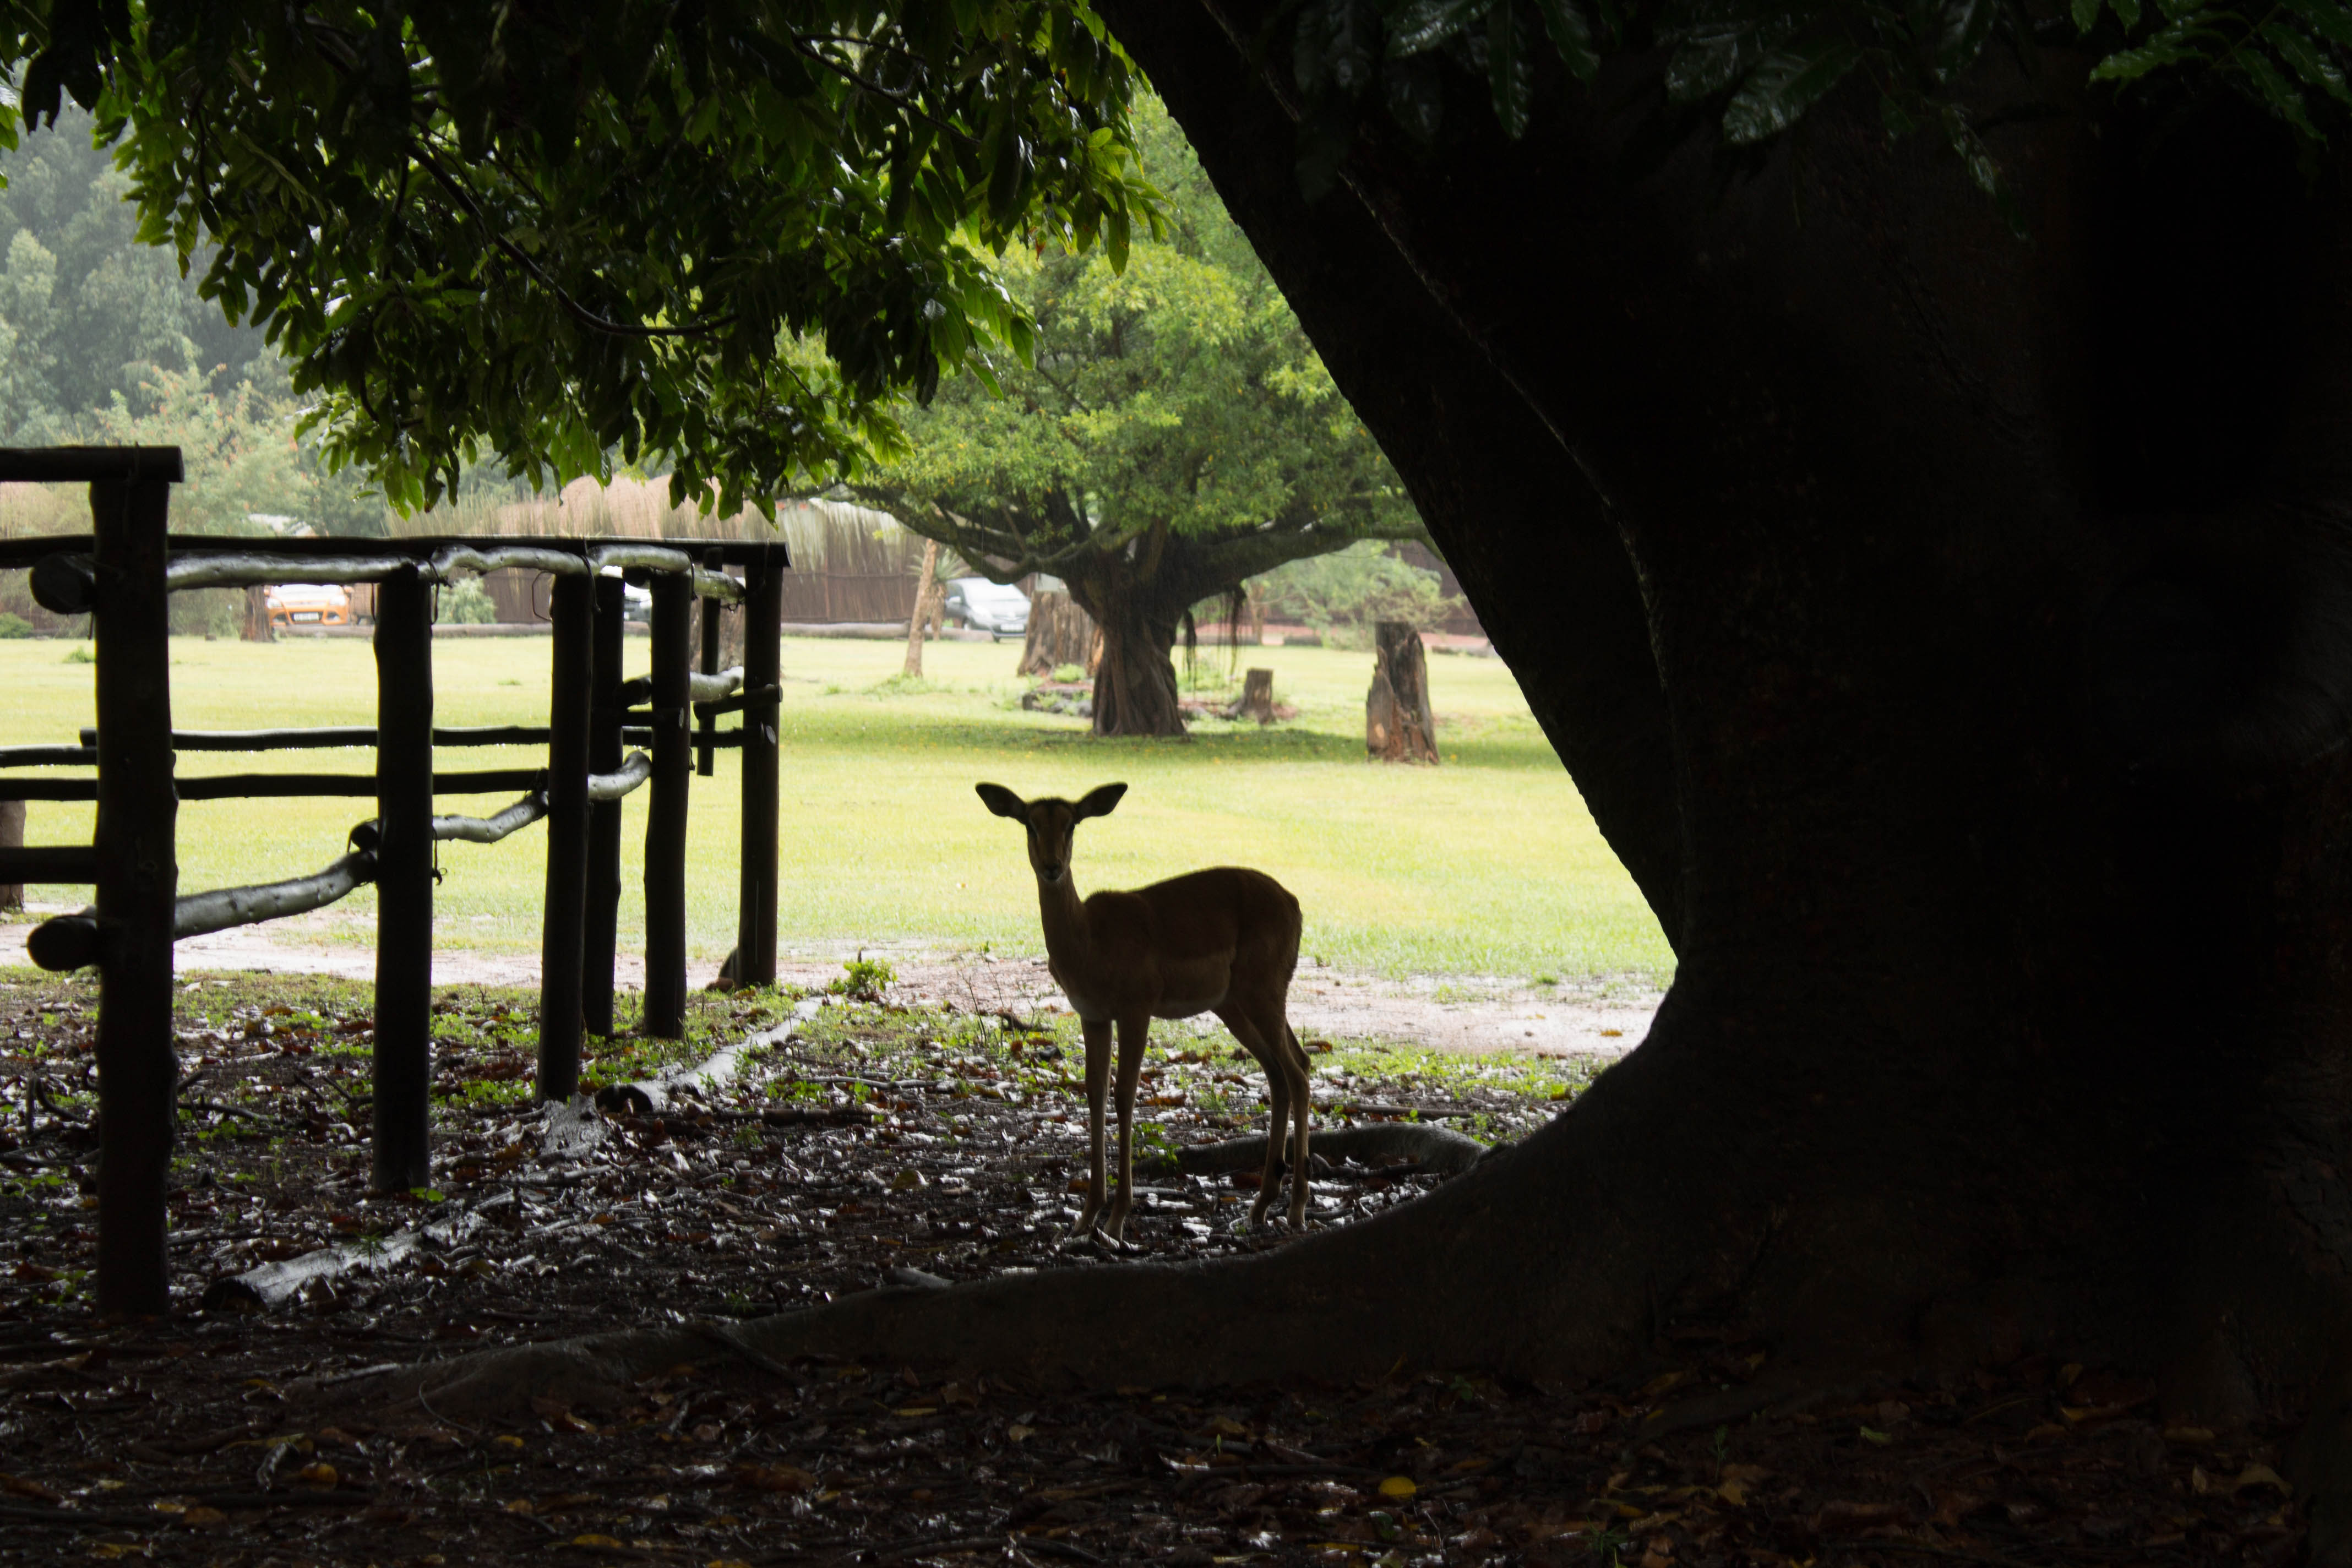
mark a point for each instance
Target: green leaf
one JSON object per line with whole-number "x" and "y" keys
{"x": 2181, "y": 41}
{"x": 1713, "y": 55}
{"x": 2274, "y": 89}
{"x": 1785, "y": 84}
{"x": 2309, "y": 63}
{"x": 1983, "y": 171}
{"x": 2329, "y": 20}
{"x": 1508, "y": 70}
{"x": 1966, "y": 25}
{"x": 2173, "y": 10}
{"x": 2086, "y": 14}
{"x": 1424, "y": 25}
{"x": 2126, "y": 12}
{"x": 1571, "y": 37}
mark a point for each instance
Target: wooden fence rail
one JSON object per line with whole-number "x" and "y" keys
{"x": 123, "y": 572}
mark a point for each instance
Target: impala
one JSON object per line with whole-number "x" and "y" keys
{"x": 1223, "y": 940}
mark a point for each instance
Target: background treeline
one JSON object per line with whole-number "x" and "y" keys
{"x": 104, "y": 339}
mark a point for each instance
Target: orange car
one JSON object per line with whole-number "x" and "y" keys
{"x": 309, "y": 605}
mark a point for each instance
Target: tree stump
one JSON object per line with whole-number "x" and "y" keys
{"x": 256, "y": 616}
{"x": 1398, "y": 724}
{"x": 11, "y": 837}
{"x": 1060, "y": 634}
{"x": 1256, "y": 700}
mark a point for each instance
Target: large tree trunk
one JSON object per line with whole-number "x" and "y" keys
{"x": 1994, "y": 591}
{"x": 1135, "y": 680}
{"x": 1061, "y": 634}
{"x": 1954, "y": 636}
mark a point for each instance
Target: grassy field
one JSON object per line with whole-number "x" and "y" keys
{"x": 1488, "y": 865}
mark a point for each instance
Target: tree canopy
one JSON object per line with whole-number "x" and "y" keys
{"x": 729, "y": 235}
{"x": 1174, "y": 434}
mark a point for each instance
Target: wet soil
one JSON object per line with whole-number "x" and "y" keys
{"x": 895, "y": 1138}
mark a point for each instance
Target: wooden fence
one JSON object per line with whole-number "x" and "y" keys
{"x": 123, "y": 573}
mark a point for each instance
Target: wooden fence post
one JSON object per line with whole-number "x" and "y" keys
{"x": 706, "y": 727}
{"x": 601, "y": 936}
{"x": 755, "y": 934}
{"x": 563, "y": 937}
{"x": 11, "y": 837}
{"x": 665, "y": 818}
{"x": 403, "y": 948}
{"x": 138, "y": 881}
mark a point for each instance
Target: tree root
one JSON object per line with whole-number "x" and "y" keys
{"x": 1334, "y": 1303}
{"x": 1438, "y": 1150}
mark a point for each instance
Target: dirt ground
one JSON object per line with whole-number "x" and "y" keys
{"x": 796, "y": 1148}
{"x": 1591, "y": 1017}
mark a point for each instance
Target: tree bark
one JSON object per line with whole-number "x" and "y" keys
{"x": 1256, "y": 700}
{"x": 11, "y": 837}
{"x": 928, "y": 600}
{"x": 1060, "y": 635}
{"x": 1135, "y": 681}
{"x": 1984, "y": 784}
{"x": 1398, "y": 724}
{"x": 258, "y": 626}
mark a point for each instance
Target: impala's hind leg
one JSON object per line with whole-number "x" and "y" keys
{"x": 1279, "y": 1090}
{"x": 1294, "y": 1057}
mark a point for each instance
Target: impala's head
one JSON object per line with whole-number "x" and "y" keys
{"x": 1051, "y": 822}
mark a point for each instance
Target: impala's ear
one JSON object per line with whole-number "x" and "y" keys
{"x": 1098, "y": 802}
{"x": 1002, "y": 801}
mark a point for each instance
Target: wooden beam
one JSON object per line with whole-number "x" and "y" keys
{"x": 601, "y": 932}
{"x": 137, "y": 881}
{"x": 706, "y": 721}
{"x": 665, "y": 820}
{"x": 404, "y": 944}
{"x": 563, "y": 936}
{"x": 755, "y": 934}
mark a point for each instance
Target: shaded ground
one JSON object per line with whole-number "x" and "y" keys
{"x": 880, "y": 1138}
{"x": 1579, "y": 1017}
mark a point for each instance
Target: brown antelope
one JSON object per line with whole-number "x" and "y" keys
{"x": 1223, "y": 941}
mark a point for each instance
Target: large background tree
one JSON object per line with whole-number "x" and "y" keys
{"x": 1172, "y": 436}
{"x": 1952, "y": 632}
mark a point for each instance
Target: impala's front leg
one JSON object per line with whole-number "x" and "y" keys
{"x": 1097, "y": 1031}
{"x": 1133, "y": 1035}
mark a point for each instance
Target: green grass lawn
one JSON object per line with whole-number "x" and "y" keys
{"x": 1486, "y": 865}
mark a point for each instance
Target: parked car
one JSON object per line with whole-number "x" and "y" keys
{"x": 996, "y": 608}
{"x": 309, "y": 605}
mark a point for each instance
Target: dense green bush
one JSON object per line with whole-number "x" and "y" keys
{"x": 1342, "y": 594}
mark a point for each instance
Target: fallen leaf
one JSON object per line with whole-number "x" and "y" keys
{"x": 1016, "y": 1433}
{"x": 1843, "y": 1518}
{"x": 2258, "y": 1476}
{"x": 318, "y": 1474}
{"x": 1398, "y": 1487}
{"x": 202, "y": 1517}
{"x": 776, "y": 1478}
{"x": 16, "y": 1486}
{"x": 594, "y": 1541}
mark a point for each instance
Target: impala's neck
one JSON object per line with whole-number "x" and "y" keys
{"x": 1065, "y": 919}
